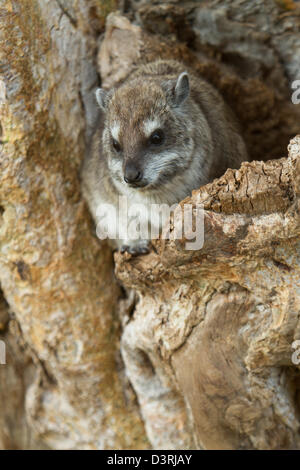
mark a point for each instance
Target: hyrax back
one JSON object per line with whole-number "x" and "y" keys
{"x": 162, "y": 133}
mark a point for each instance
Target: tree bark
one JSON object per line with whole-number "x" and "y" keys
{"x": 178, "y": 349}
{"x": 55, "y": 276}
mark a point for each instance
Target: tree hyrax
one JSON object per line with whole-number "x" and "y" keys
{"x": 162, "y": 133}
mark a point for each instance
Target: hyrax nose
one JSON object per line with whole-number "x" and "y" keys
{"x": 132, "y": 174}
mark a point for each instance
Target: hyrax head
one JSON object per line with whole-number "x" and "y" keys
{"x": 147, "y": 130}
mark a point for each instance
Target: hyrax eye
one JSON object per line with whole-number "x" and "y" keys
{"x": 116, "y": 145}
{"x": 157, "y": 137}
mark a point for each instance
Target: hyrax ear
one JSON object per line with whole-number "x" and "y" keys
{"x": 177, "y": 91}
{"x": 102, "y": 97}
{"x": 182, "y": 89}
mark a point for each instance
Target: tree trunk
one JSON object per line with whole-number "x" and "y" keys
{"x": 178, "y": 349}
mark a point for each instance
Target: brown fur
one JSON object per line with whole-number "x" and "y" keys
{"x": 202, "y": 139}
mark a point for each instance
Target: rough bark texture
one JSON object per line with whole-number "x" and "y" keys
{"x": 15, "y": 377}
{"x": 197, "y": 352}
{"x": 217, "y": 325}
{"x": 55, "y": 276}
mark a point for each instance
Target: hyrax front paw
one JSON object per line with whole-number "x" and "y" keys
{"x": 141, "y": 248}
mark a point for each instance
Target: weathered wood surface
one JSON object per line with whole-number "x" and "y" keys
{"x": 217, "y": 325}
